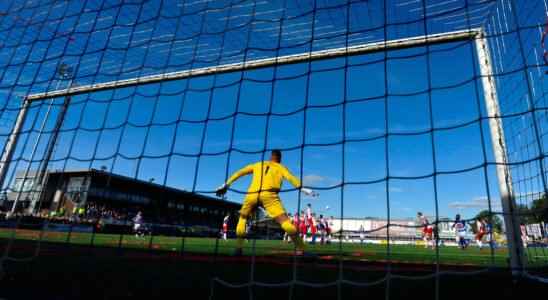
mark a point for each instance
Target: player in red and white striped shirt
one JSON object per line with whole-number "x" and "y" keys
{"x": 225, "y": 227}
{"x": 427, "y": 230}
{"x": 481, "y": 229}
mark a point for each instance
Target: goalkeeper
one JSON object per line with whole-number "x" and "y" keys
{"x": 264, "y": 189}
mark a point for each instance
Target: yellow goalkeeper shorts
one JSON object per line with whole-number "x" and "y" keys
{"x": 271, "y": 203}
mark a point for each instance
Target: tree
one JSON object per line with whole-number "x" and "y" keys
{"x": 495, "y": 220}
{"x": 536, "y": 212}
{"x": 539, "y": 209}
{"x": 523, "y": 212}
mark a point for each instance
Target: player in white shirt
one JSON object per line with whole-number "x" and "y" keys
{"x": 323, "y": 229}
{"x": 138, "y": 222}
{"x": 328, "y": 230}
{"x": 460, "y": 232}
{"x": 308, "y": 211}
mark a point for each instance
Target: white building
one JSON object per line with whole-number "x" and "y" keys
{"x": 398, "y": 229}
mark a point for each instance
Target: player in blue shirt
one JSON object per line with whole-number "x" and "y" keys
{"x": 460, "y": 231}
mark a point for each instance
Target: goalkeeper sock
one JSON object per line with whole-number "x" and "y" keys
{"x": 240, "y": 232}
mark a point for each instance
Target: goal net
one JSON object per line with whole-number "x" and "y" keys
{"x": 421, "y": 124}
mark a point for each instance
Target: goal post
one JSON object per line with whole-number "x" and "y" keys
{"x": 486, "y": 74}
{"x": 500, "y": 154}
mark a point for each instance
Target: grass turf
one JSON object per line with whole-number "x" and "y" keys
{"x": 348, "y": 251}
{"x": 105, "y": 266}
{"x": 107, "y": 273}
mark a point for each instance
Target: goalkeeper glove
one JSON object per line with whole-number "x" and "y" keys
{"x": 221, "y": 190}
{"x": 309, "y": 192}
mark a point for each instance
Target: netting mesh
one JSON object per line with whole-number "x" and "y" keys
{"x": 523, "y": 105}
{"x": 382, "y": 134}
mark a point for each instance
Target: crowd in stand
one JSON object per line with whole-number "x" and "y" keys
{"x": 95, "y": 212}
{"x": 91, "y": 212}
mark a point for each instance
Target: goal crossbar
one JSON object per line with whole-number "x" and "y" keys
{"x": 365, "y": 48}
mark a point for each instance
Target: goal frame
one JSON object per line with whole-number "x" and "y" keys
{"x": 485, "y": 68}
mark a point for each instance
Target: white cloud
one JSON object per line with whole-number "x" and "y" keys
{"x": 313, "y": 179}
{"x": 395, "y": 189}
{"x": 476, "y": 202}
{"x": 398, "y": 205}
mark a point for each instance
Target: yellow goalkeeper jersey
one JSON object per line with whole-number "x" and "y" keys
{"x": 267, "y": 177}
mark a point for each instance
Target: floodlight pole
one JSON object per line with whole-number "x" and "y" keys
{"x": 43, "y": 165}
{"x": 53, "y": 140}
{"x": 38, "y": 184}
{"x": 513, "y": 236}
{"x": 12, "y": 140}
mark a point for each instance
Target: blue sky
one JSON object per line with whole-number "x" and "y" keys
{"x": 317, "y": 113}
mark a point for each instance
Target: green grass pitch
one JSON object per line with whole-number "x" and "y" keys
{"x": 208, "y": 246}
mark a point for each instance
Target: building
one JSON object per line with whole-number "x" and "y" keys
{"x": 22, "y": 190}
{"x": 399, "y": 228}
{"x": 376, "y": 228}
{"x": 69, "y": 191}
